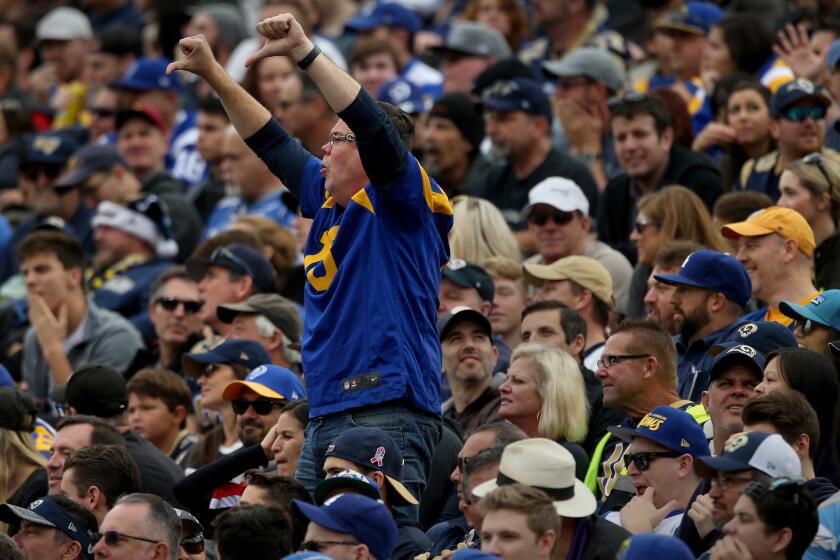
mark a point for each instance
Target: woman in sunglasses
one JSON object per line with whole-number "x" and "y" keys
{"x": 811, "y": 186}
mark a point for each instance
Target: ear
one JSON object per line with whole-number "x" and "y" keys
{"x": 72, "y": 549}
{"x": 547, "y": 540}
{"x": 244, "y": 287}
{"x": 361, "y": 552}
{"x": 773, "y": 127}
{"x": 578, "y": 344}
{"x": 651, "y": 365}
{"x": 585, "y": 224}
{"x": 667, "y": 138}
{"x": 791, "y": 250}
{"x": 686, "y": 465}
{"x": 704, "y": 399}
{"x": 161, "y": 551}
{"x": 76, "y": 275}
{"x": 802, "y": 445}
{"x": 276, "y": 340}
{"x": 94, "y": 497}
{"x": 780, "y": 539}
{"x": 180, "y": 414}
{"x": 495, "y": 352}
{"x": 378, "y": 477}
{"x": 716, "y": 302}
{"x": 823, "y": 201}
{"x": 486, "y": 308}
{"x": 583, "y": 299}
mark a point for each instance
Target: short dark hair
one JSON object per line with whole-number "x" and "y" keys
{"x": 673, "y": 253}
{"x": 281, "y": 490}
{"x": 649, "y": 337}
{"x": 300, "y": 410}
{"x": 790, "y": 506}
{"x": 737, "y": 206}
{"x": 64, "y": 246}
{"x": 162, "y": 515}
{"x": 635, "y": 105}
{"x": 179, "y": 272}
{"x": 163, "y": 384}
{"x": 253, "y": 533}
{"x": 77, "y": 513}
{"x": 402, "y": 121}
{"x": 365, "y": 48}
{"x": 103, "y": 433}
{"x": 506, "y": 432}
{"x": 212, "y": 105}
{"x": 570, "y": 320}
{"x": 789, "y": 413}
{"x": 108, "y": 467}
{"x": 749, "y": 40}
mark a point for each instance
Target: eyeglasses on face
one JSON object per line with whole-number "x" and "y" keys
{"x": 607, "y": 361}
{"x": 641, "y": 224}
{"x": 319, "y": 546}
{"x": 806, "y": 325}
{"x": 335, "y": 137}
{"x": 112, "y": 538}
{"x": 32, "y": 172}
{"x": 799, "y": 114}
{"x": 725, "y": 482}
{"x": 171, "y": 304}
{"x": 262, "y": 407}
{"x": 541, "y": 216}
{"x": 642, "y": 459}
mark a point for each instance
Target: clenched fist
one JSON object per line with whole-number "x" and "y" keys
{"x": 284, "y": 37}
{"x": 198, "y": 57}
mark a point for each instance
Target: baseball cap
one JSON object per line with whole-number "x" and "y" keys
{"x": 89, "y": 160}
{"x": 459, "y": 314}
{"x": 373, "y": 448}
{"x": 504, "y": 69}
{"x": 713, "y": 270}
{"x": 469, "y": 275}
{"x": 189, "y": 519}
{"x": 796, "y": 90}
{"x": 470, "y": 38}
{"x": 767, "y": 453}
{"x": 401, "y": 93}
{"x": 307, "y": 555}
{"x": 671, "y": 428}
{"x": 833, "y": 55}
{"x": 546, "y": 465}
{"x": 732, "y": 352}
{"x": 139, "y": 112}
{"x": 460, "y": 109}
{"x": 366, "y": 519}
{"x": 147, "y": 74}
{"x": 472, "y": 554}
{"x": 144, "y": 218}
{"x": 774, "y": 219}
{"x": 64, "y": 24}
{"x": 281, "y": 311}
{"x": 823, "y": 309}
{"x": 49, "y": 147}
{"x": 237, "y": 258}
{"x": 97, "y": 390}
{"x": 592, "y": 62}
{"x": 651, "y": 545}
{"x": 694, "y": 17}
{"x": 245, "y": 352}
{"x": 391, "y": 14}
{"x": 764, "y": 336}
{"x": 348, "y": 478}
{"x": 517, "y": 94}
{"x": 559, "y": 192}
{"x": 17, "y": 410}
{"x": 44, "y": 511}
{"x": 585, "y": 271}
{"x": 270, "y": 381}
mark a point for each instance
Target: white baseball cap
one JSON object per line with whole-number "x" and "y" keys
{"x": 64, "y": 24}
{"x": 559, "y": 192}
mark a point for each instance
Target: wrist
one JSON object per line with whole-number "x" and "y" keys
{"x": 299, "y": 53}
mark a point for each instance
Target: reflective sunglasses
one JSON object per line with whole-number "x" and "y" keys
{"x": 807, "y": 325}
{"x": 641, "y": 224}
{"x": 171, "y": 304}
{"x": 262, "y": 407}
{"x": 319, "y": 546}
{"x": 541, "y": 217}
{"x": 112, "y": 538}
{"x": 816, "y": 159}
{"x": 51, "y": 170}
{"x": 193, "y": 545}
{"x": 799, "y": 114}
{"x": 642, "y": 459}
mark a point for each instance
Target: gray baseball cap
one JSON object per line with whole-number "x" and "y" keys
{"x": 591, "y": 62}
{"x": 277, "y": 309}
{"x": 474, "y": 39}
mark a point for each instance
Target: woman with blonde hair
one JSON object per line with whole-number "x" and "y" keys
{"x": 479, "y": 232}
{"x": 811, "y": 186}
{"x": 23, "y": 477}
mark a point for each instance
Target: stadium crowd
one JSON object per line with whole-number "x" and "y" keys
{"x": 419, "y": 279}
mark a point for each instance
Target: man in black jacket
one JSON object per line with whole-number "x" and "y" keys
{"x": 644, "y": 142}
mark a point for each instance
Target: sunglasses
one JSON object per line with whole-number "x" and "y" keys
{"x": 51, "y": 170}
{"x": 112, "y": 538}
{"x": 541, "y": 217}
{"x": 171, "y": 304}
{"x": 726, "y": 481}
{"x": 262, "y": 407}
{"x": 642, "y": 459}
{"x": 193, "y": 545}
{"x": 103, "y": 112}
{"x": 641, "y": 224}
{"x": 799, "y": 114}
{"x": 816, "y": 159}
{"x": 807, "y": 325}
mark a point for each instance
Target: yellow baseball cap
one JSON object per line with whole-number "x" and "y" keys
{"x": 783, "y": 221}
{"x": 587, "y": 272}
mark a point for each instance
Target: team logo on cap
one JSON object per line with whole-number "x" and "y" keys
{"x": 817, "y": 300}
{"x": 35, "y": 504}
{"x": 456, "y": 264}
{"x": 46, "y": 144}
{"x": 685, "y": 262}
{"x": 330, "y": 448}
{"x": 684, "y": 443}
{"x": 378, "y": 457}
{"x": 71, "y": 526}
{"x": 243, "y": 356}
{"x": 747, "y": 330}
{"x": 805, "y": 85}
{"x": 743, "y": 349}
{"x": 735, "y": 442}
{"x": 257, "y": 372}
{"x": 652, "y": 422}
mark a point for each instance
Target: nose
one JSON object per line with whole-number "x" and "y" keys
{"x": 491, "y": 546}
{"x": 455, "y": 476}
{"x": 634, "y": 236}
{"x": 55, "y": 462}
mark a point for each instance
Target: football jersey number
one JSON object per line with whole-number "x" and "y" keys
{"x": 324, "y": 256}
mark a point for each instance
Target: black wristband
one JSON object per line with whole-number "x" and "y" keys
{"x": 304, "y": 63}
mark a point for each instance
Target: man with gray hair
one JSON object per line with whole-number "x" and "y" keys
{"x": 139, "y": 527}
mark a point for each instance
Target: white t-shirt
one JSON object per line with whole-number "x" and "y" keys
{"x": 667, "y": 526}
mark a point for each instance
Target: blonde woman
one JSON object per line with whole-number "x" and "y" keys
{"x": 23, "y": 477}
{"x": 480, "y": 232}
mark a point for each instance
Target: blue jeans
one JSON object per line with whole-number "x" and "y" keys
{"x": 415, "y": 433}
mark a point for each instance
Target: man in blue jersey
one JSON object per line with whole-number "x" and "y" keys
{"x": 372, "y": 259}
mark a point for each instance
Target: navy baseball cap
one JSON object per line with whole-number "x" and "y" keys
{"x": 270, "y": 381}
{"x": 391, "y": 14}
{"x": 764, "y": 336}
{"x": 733, "y": 352}
{"x": 468, "y": 275}
{"x": 245, "y": 352}
{"x": 823, "y": 309}
{"x": 240, "y": 259}
{"x": 714, "y": 271}
{"x": 401, "y": 93}
{"x": 768, "y": 453}
{"x": 671, "y": 428}
{"x": 651, "y": 545}
{"x": 348, "y": 478}
{"x": 373, "y": 448}
{"x": 89, "y": 160}
{"x": 459, "y": 314}
{"x": 47, "y": 513}
{"x": 147, "y": 74}
{"x": 517, "y": 94}
{"x": 472, "y": 554}
{"x": 49, "y": 147}
{"x": 695, "y": 17}
{"x": 796, "y": 90}
{"x": 366, "y": 519}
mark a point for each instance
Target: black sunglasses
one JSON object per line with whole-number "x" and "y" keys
{"x": 193, "y": 545}
{"x": 261, "y": 406}
{"x": 171, "y": 304}
{"x": 51, "y": 170}
{"x": 112, "y": 538}
{"x": 642, "y": 459}
{"x": 807, "y": 325}
{"x": 541, "y": 217}
{"x": 641, "y": 224}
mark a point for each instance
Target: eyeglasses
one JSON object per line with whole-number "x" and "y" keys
{"x": 726, "y": 481}
{"x": 336, "y": 137}
{"x": 541, "y": 217}
{"x": 260, "y": 406}
{"x": 171, "y": 304}
{"x": 799, "y": 114}
{"x": 112, "y": 538}
{"x": 642, "y": 459}
{"x": 641, "y": 224}
{"x": 816, "y": 159}
{"x": 226, "y": 253}
{"x": 807, "y": 325}
{"x": 573, "y": 82}
{"x": 103, "y": 112}
{"x": 51, "y": 170}
{"x": 319, "y": 546}
{"x": 193, "y": 545}
{"x": 607, "y": 362}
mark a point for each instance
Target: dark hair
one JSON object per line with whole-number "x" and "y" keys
{"x": 298, "y": 409}
{"x": 673, "y": 253}
{"x": 108, "y": 467}
{"x": 789, "y": 413}
{"x": 103, "y": 433}
{"x": 65, "y": 247}
{"x": 749, "y": 40}
{"x": 163, "y": 384}
{"x": 228, "y": 237}
{"x": 179, "y": 272}
{"x": 365, "y": 48}
{"x": 735, "y": 154}
{"x": 680, "y": 117}
{"x": 506, "y": 432}
{"x": 570, "y": 320}
{"x": 402, "y": 121}
{"x": 281, "y": 490}
{"x": 723, "y": 90}
{"x": 161, "y": 515}
{"x": 253, "y": 533}
{"x": 212, "y": 105}
{"x": 737, "y": 206}
{"x": 77, "y": 513}
{"x": 635, "y": 105}
{"x": 792, "y": 506}
{"x": 649, "y": 337}
{"x": 488, "y": 457}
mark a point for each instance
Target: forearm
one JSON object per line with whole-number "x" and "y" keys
{"x": 337, "y": 86}
{"x": 60, "y": 368}
{"x": 246, "y": 113}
